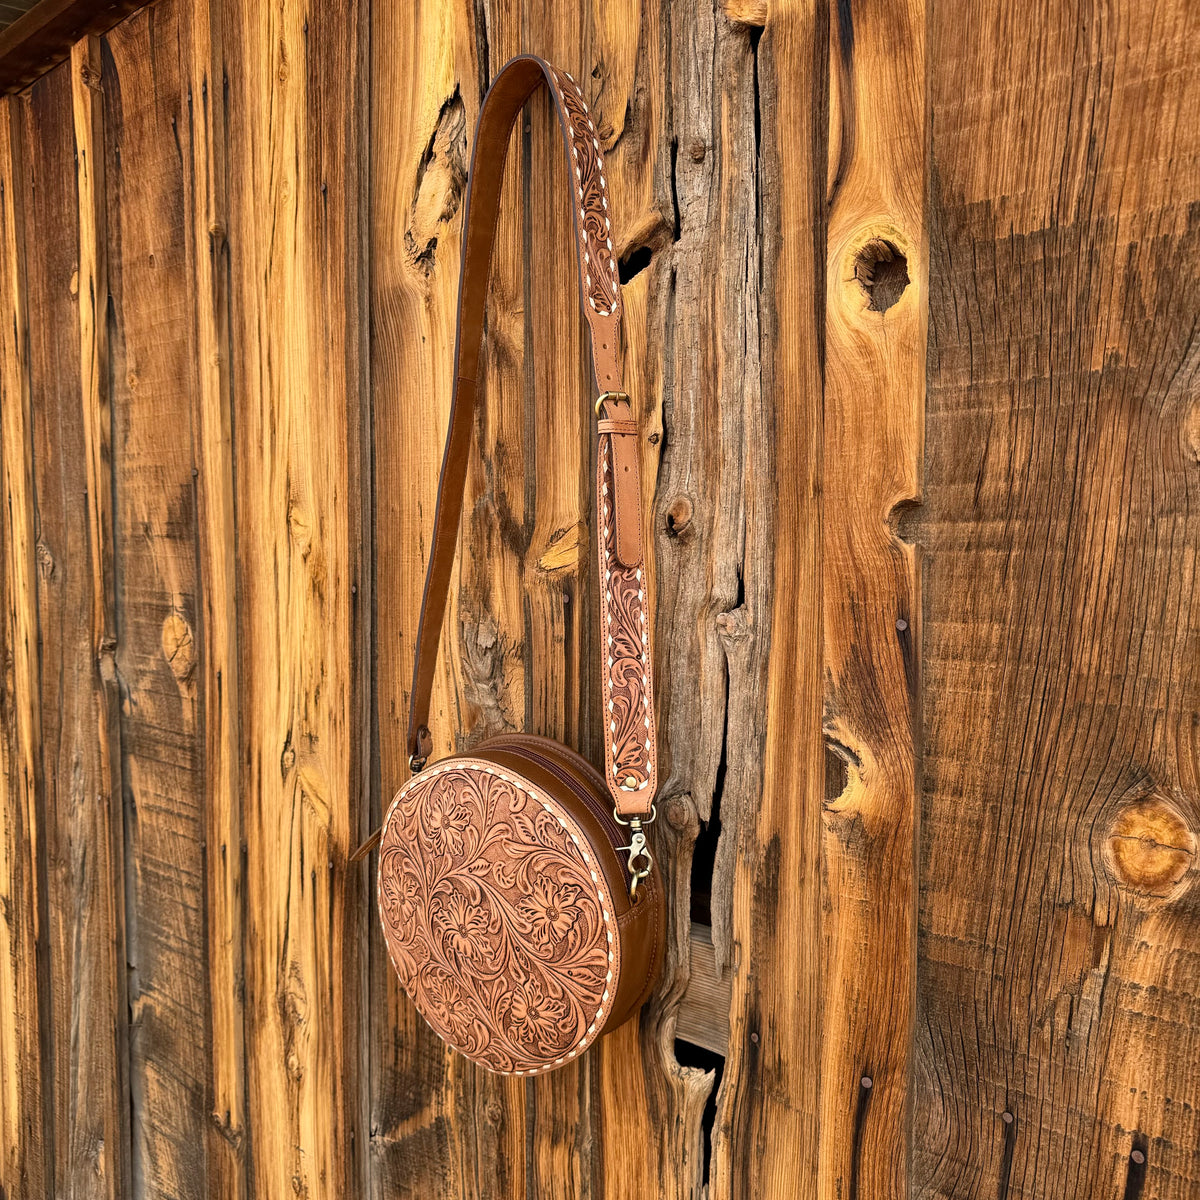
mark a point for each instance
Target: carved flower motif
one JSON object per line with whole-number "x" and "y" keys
{"x": 398, "y": 889}
{"x": 449, "y": 1005}
{"x": 464, "y": 925}
{"x": 448, "y": 819}
{"x": 537, "y": 1017}
{"x": 551, "y": 909}
{"x": 491, "y": 935}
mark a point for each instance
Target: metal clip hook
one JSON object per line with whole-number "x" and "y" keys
{"x": 639, "y": 849}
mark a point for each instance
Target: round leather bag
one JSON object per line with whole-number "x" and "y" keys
{"x": 516, "y": 889}
{"x": 504, "y": 897}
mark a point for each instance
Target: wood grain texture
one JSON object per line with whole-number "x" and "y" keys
{"x": 1059, "y": 973}
{"x": 928, "y": 724}
{"x": 101, "y": 1003}
{"x": 25, "y": 1132}
{"x": 297, "y": 383}
{"x": 439, "y": 1127}
{"x": 703, "y": 1016}
{"x": 79, "y": 703}
{"x": 876, "y": 272}
{"x": 155, "y": 568}
{"x": 768, "y": 1138}
{"x": 716, "y": 543}
{"x": 206, "y": 207}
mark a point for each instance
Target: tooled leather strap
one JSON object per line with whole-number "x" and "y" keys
{"x": 630, "y": 742}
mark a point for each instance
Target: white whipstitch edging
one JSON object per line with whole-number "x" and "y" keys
{"x": 587, "y": 260}
{"x": 609, "y": 557}
{"x": 592, "y": 1029}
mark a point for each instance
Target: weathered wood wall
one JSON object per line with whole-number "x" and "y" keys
{"x": 187, "y": 535}
{"x": 911, "y": 328}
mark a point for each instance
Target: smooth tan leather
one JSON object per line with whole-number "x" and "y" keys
{"x": 631, "y": 749}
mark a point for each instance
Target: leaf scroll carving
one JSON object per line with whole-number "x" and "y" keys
{"x": 498, "y": 921}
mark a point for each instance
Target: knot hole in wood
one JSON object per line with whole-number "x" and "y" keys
{"x": 882, "y": 272}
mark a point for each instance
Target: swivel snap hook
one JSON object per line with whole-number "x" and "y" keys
{"x": 641, "y": 862}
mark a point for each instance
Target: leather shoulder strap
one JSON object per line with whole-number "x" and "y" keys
{"x": 628, "y": 696}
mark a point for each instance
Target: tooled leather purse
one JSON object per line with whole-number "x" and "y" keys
{"x": 516, "y": 890}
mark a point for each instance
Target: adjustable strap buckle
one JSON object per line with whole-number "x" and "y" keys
{"x": 606, "y": 396}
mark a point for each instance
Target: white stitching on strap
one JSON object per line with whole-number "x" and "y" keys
{"x": 583, "y": 237}
{"x": 609, "y": 564}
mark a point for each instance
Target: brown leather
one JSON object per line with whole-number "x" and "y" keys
{"x": 505, "y": 905}
{"x": 505, "y": 876}
{"x": 630, "y": 744}
{"x": 622, "y": 434}
{"x": 643, "y": 925}
{"x": 627, "y": 690}
{"x": 622, "y": 428}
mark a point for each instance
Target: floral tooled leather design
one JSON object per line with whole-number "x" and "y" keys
{"x": 497, "y": 918}
{"x": 591, "y": 200}
{"x": 628, "y": 746}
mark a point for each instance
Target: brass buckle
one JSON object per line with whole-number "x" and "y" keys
{"x": 610, "y": 396}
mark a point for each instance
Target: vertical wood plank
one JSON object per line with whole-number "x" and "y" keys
{"x": 46, "y": 137}
{"x": 624, "y": 69}
{"x": 207, "y": 214}
{"x": 79, "y": 704}
{"x": 875, "y": 322}
{"x": 767, "y": 1136}
{"x": 590, "y": 1134}
{"x": 440, "y": 1128}
{"x": 150, "y": 297}
{"x": 487, "y": 647}
{"x": 716, "y": 541}
{"x": 1060, "y": 983}
{"x": 24, "y": 1045}
{"x": 528, "y": 569}
{"x": 293, "y": 167}
{"x": 107, "y": 1006}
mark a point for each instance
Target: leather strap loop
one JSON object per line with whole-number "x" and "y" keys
{"x": 630, "y": 742}
{"x": 621, "y": 428}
